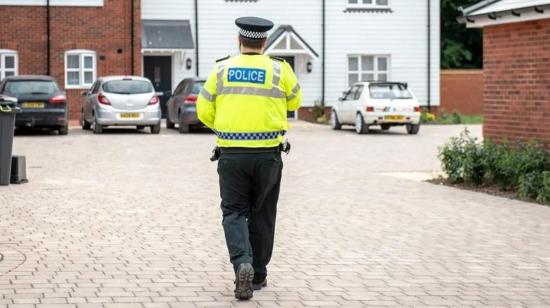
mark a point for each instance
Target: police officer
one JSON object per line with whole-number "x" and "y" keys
{"x": 245, "y": 102}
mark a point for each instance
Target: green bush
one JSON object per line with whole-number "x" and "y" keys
{"x": 530, "y": 185}
{"x": 524, "y": 167}
{"x": 452, "y": 156}
{"x": 544, "y": 192}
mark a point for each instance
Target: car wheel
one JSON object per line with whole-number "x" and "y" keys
{"x": 155, "y": 129}
{"x": 63, "y": 130}
{"x": 183, "y": 128}
{"x": 98, "y": 129}
{"x": 85, "y": 124}
{"x": 385, "y": 126}
{"x": 412, "y": 129}
{"x": 169, "y": 124}
{"x": 360, "y": 126}
{"x": 334, "y": 122}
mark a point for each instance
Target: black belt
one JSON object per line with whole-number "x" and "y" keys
{"x": 249, "y": 150}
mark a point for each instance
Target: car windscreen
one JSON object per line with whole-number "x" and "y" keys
{"x": 389, "y": 91}
{"x": 197, "y": 87}
{"x": 26, "y": 87}
{"x": 128, "y": 87}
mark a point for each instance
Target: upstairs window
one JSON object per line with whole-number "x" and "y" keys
{"x": 8, "y": 63}
{"x": 368, "y": 68}
{"x": 370, "y": 4}
{"x": 80, "y": 69}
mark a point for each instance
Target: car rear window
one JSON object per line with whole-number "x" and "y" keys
{"x": 19, "y": 87}
{"x": 197, "y": 87}
{"x": 389, "y": 91}
{"x": 128, "y": 86}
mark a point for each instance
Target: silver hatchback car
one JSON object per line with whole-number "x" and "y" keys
{"x": 121, "y": 101}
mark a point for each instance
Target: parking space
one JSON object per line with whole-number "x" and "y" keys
{"x": 130, "y": 219}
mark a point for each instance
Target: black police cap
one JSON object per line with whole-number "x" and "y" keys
{"x": 254, "y": 28}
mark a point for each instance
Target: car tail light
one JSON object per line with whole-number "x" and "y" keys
{"x": 417, "y": 109}
{"x": 190, "y": 100}
{"x": 370, "y": 109}
{"x": 102, "y": 99}
{"x": 58, "y": 99}
{"x": 154, "y": 100}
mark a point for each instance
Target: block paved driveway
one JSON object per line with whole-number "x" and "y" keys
{"x": 129, "y": 219}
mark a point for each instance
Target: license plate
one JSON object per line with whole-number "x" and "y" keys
{"x": 395, "y": 118}
{"x": 129, "y": 115}
{"x": 33, "y": 105}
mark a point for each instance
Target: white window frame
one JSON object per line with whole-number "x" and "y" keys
{"x": 8, "y": 53}
{"x": 375, "y": 70}
{"x": 373, "y": 5}
{"x": 81, "y": 53}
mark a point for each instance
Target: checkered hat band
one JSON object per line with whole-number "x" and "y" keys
{"x": 250, "y": 136}
{"x": 252, "y": 34}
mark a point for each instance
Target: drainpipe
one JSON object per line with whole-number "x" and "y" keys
{"x": 323, "y": 81}
{"x": 48, "y": 46}
{"x": 197, "y": 38}
{"x": 429, "y": 54}
{"x": 132, "y": 39}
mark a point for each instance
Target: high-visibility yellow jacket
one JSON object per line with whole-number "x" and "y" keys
{"x": 246, "y": 98}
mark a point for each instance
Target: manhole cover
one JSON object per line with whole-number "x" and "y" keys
{"x": 10, "y": 259}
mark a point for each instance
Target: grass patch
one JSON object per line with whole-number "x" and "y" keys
{"x": 446, "y": 118}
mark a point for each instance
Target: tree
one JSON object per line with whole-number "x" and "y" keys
{"x": 460, "y": 47}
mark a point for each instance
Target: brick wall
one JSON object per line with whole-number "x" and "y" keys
{"x": 104, "y": 30}
{"x": 462, "y": 91}
{"x": 517, "y": 81}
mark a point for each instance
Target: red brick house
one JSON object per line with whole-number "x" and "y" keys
{"x": 74, "y": 41}
{"x": 516, "y": 67}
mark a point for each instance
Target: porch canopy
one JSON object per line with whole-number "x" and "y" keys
{"x": 286, "y": 41}
{"x": 166, "y": 35}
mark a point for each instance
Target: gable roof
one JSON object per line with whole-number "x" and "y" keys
{"x": 286, "y": 29}
{"x": 492, "y": 12}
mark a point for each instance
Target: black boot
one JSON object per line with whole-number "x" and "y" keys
{"x": 243, "y": 283}
{"x": 258, "y": 286}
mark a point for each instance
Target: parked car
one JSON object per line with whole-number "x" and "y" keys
{"x": 181, "y": 107}
{"x": 385, "y": 104}
{"x": 43, "y": 104}
{"x": 121, "y": 101}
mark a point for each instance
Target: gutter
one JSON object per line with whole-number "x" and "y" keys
{"x": 197, "y": 38}
{"x": 323, "y": 61}
{"x": 132, "y": 39}
{"x": 48, "y": 34}
{"x": 429, "y": 55}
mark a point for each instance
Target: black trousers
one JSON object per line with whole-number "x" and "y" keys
{"x": 249, "y": 188}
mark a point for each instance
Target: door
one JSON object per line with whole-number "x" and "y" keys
{"x": 158, "y": 69}
{"x": 290, "y": 60}
{"x": 349, "y": 106}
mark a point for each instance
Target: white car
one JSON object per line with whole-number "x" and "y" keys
{"x": 383, "y": 104}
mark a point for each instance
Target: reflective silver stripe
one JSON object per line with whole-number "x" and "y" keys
{"x": 219, "y": 83}
{"x": 276, "y": 73}
{"x": 294, "y": 92}
{"x": 207, "y": 95}
{"x": 273, "y": 93}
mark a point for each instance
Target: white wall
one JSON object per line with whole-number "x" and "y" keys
{"x": 401, "y": 34}
{"x": 54, "y": 2}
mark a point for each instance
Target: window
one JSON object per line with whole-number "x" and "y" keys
{"x": 367, "y": 68}
{"x": 382, "y": 4}
{"x": 80, "y": 69}
{"x": 8, "y": 63}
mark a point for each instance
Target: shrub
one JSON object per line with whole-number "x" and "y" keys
{"x": 473, "y": 162}
{"x": 544, "y": 192}
{"x": 512, "y": 163}
{"x": 452, "y": 156}
{"x": 427, "y": 117}
{"x": 530, "y": 185}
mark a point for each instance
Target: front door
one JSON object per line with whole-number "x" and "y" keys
{"x": 158, "y": 69}
{"x": 290, "y": 60}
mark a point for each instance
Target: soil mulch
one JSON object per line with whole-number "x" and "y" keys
{"x": 491, "y": 190}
